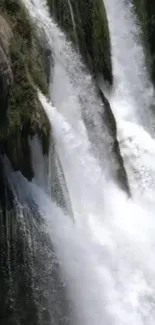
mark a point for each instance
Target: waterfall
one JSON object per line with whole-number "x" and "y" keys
{"x": 106, "y": 256}
{"x": 133, "y": 92}
{"x": 49, "y": 174}
{"x": 132, "y": 98}
{"x": 73, "y": 87}
{"x": 101, "y": 261}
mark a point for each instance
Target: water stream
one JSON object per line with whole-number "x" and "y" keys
{"x": 132, "y": 98}
{"x": 133, "y": 92}
{"x": 106, "y": 250}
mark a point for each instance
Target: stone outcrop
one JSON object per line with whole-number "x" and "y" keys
{"x": 22, "y": 68}
{"x": 25, "y": 294}
{"x": 86, "y": 25}
{"x": 6, "y": 76}
{"x": 145, "y": 11}
{"x": 120, "y": 174}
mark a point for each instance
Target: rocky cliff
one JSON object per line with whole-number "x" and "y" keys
{"x": 145, "y": 11}
{"x": 86, "y": 25}
{"x": 24, "y": 65}
{"x": 22, "y": 69}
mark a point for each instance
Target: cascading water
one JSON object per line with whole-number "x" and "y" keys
{"x": 133, "y": 92}
{"x": 73, "y": 87}
{"x": 132, "y": 98}
{"x": 106, "y": 254}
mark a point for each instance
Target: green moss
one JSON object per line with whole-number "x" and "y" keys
{"x": 25, "y": 115}
{"x": 24, "y": 100}
{"x": 18, "y": 16}
{"x": 86, "y": 25}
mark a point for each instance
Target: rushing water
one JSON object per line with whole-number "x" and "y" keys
{"x": 105, "y": 246}
{"x": 73, "y": 87}
{"x": 133, "y": 93}
{"x": 132, "y": 98}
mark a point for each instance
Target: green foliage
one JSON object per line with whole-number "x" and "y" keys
{"x": 25, "y": 113}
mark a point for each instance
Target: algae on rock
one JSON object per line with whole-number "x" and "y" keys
{"x": 23, "y": 114}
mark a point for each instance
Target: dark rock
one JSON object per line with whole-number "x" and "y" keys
{"x": 109, "y": 119}
{"x": 31, "y": 287}
{"x": 23, "y": 66}
{"x": 145, "y": 11}
{"x": 86, "y": 25}
{"x": 6, "y": 76}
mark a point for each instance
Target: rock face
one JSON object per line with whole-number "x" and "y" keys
{"x": 146, "y": 13}
{"x": 25, "y": 64}
{"x": 25, "y": 297}
{"x": 6, "y": 76}
{"x": 86, "y": 25}
{"x": 120, "y": 173}
{"x": 22, "y": 68}
{"x": 26, "y": 293}
{"x": 90, "y": 35}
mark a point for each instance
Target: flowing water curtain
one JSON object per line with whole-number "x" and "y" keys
{"x": 106, "y": 257}
{"x": 32, "y": 288}
{"x": 16, "y": 283}
{"x": 103, "y": 251}
{"x": 86, "y": 25}
{"x": 145, "y": 11}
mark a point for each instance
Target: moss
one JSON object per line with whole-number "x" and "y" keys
{"x": 86, "y": 25}
{"x": 23, "y": 104}
{"x": 25, "y": 115}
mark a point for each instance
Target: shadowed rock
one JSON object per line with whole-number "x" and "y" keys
{"x": 6, "y": 76}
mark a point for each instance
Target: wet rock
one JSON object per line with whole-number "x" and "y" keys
{"x": 87, "y": 27}
{"x": 6, "y": 76}
{"x": 22, "y": 67}
{"x": 108, "y": 117}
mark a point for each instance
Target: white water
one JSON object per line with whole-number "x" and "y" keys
{"x": 133, "y": 93}
{"x": 107, "y": 255}
{"x": 132, "y": 98}
{"x": 73, "y": 91}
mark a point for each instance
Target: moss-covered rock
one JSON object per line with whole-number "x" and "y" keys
{"x": 87, "y": 26}
{"x": 22, "y": 68}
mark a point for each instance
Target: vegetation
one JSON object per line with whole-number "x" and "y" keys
{"x": 24, "y": 115}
